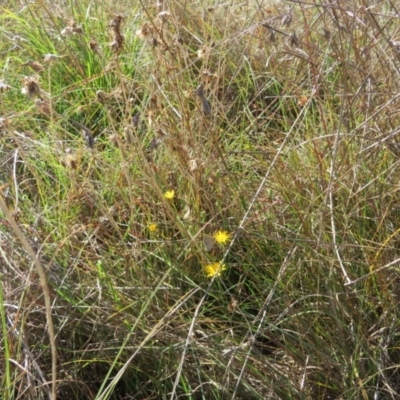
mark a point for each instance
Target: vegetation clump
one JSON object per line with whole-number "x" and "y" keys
{"x": 199, "y": 200}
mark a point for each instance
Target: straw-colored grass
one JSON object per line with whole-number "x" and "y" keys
{"x": 211, "y": 191}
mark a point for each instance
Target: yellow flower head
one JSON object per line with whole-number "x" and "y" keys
{"x": 214, "y": 269}
{"x": 169, "y": 194}
{"x": 152, "y": 227}
{"x": 222, "y": 237}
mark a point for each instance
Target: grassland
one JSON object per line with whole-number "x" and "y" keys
{"x": 199, "y": 201}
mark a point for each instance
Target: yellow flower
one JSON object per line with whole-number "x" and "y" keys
{"x": 169, "y": 194}
{"x": 152, "y": 227}
{"x": 214, "y": 269}
{"x": 222, "y": 237}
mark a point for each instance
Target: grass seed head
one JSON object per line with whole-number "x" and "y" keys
{"x": 4, "y": 86}
{"x": 31, "y": 86}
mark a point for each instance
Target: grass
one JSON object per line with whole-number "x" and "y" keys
{"x": 199, "y": 201}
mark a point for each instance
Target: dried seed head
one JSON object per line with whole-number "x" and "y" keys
{"x": 193, "y": 164}
{"x": 43, "y": 106}
{"x": 164, "y": 15}
{"x": 145, "y": 30}
{"x": 302, "y": 100}
{"x": 208, "y": 75}
{"x": 232, "y": 305}
{"x": 114, "y": 46}
{"x": 49, "y": 58}
{"x": 70, "y": 160}
{"x": 94, "y": 46}
{"x": 35, "y": 65}
{"x": 77, "y": 29}
{"x": 74, "y": 27}
{"x": 4, "y": 87}
{"x": 118, "y": 41}
{"x": 201, "y": 52}
{"x": 101, "y": 97}
{"x": 139, "y": 33}
{"x": 116, "y": 22}
{"x": 31, "y": 87}
{"x": 67, "y": 32}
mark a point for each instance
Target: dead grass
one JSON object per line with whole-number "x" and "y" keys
{"x": 275, "y": 123}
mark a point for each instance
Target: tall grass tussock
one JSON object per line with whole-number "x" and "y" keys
{"x": 200, "y": 200}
